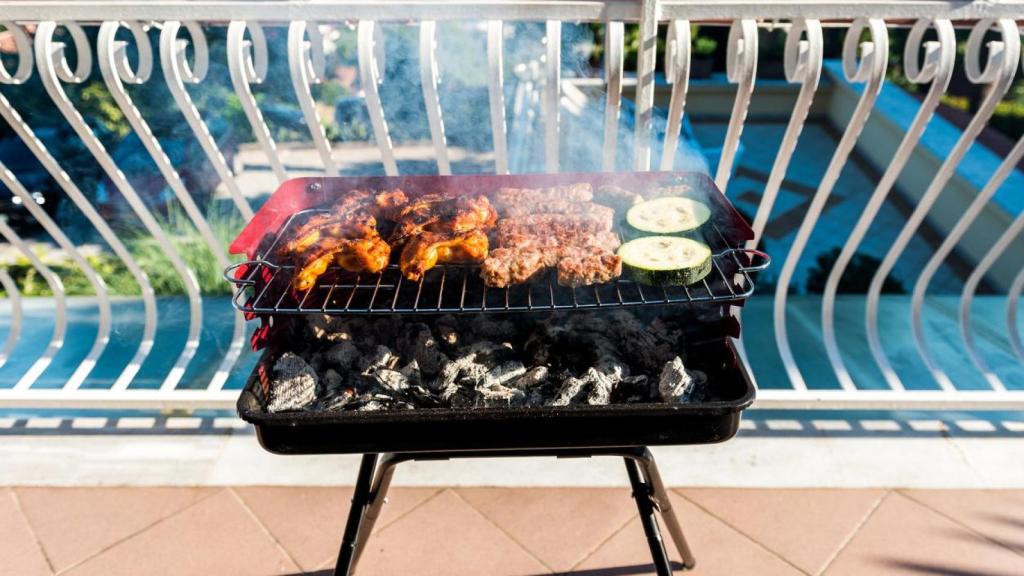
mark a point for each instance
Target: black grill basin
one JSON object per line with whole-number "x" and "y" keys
{"x": 436, "y": 429}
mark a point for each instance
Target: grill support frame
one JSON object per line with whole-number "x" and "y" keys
{"x": 377, "y": 470}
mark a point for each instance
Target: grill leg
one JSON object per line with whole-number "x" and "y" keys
{"x": 643, "y": 493}
{"x": 360, "y": 499}
{"x": 378, "y": 497}
{"x": 664, "y": 505}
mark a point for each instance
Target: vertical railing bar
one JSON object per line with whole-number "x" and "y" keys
{"x": 552, "y": 93}
{"x": 462, "y": 294}
{"x": 741, "y": 68}
{"x": 1008, "y": 165}
{"x": 14, "y": 333}
{"x": 429, "y": 78}
{"x": 496, "y": 94}
{"x": 60, "y": 312}
{"x": 644, "y": 99}
{"x": 971, "y": 286}
{"x": 371, "y": 73}
{"x": 247, "y": 64}
{"x": 176, "y": 72}
{"x": 115, "y": 69}
{"x": 306, "y": 67}
{"x": 38, "y": 149}
{"x": 95, "y": 281}
{"x": 614, "y": 58}
{"x": 870, "y": 70}
{"x": 1012, "y": 302}
{"x": 48, "y": 54}
{"x": 998, "y": 73}
{"x": 937, "y": 69}
{"x": 677, "y": 73}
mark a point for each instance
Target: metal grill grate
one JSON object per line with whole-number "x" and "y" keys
{"x": 264, "y": 287}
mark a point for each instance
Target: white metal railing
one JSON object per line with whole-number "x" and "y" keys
{"x": 32, "y": 26}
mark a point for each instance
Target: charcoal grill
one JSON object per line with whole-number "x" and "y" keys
{"x": 625, "y": 431}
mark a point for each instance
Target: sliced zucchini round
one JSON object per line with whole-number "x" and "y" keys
{"x": 665, "y": 260}
{"x": 670, "y": 215}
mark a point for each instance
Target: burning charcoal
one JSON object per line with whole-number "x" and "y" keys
{"x": 329, "y": 328}
{"x": 633, "y": 389}
{"x": 531, "y": 378}
{"x": 487, "y": 328}
{"x": 447, "y": 330}
{"x": 294, "y": 384}
{"x": 411, "y": 371}
{"x": 612, "y": 368}
{"x": 423, "y": 397}
{"x": 472, "y": 364}
{"x": 391, "y": 380}
{"x": 382, "y": 357}
{"x": 677, "y": 384}
{"x": 425, "y": 350}
{"x": 571, "y": 391}
{"x": 331, "y": 380}
{"x": 503, "y": 373}
{"x": 342, "y": 355}
{"x": 457, "y": 396}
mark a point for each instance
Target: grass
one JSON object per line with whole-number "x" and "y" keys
{"x": 149, "y": 255}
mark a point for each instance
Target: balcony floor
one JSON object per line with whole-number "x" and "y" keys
{"x": 592, "y": 531}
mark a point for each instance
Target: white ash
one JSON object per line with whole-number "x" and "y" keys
{"x": 391, "y": 380}
{"x": 503, "y": 373}
{"x": 294, "y": 384}
{"x": 677, "y": 384}
{"x": 531, "y": 378}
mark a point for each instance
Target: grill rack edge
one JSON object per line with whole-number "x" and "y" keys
{"x": 388, "y": 292}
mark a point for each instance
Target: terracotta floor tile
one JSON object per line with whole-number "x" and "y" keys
{"x": 904, "y": 537}
{"x": 718, "y": 548}
{"x": 308, "y": 522}
{"x": 445, "y": 536}
{"x": 216, "y": 536}
{"x": 998, "y": 514}
{"x": 561, "y": 526}
{"x": 807, "y": 527}
{"x": 19, "y": 552}
{"x": 75, "y": 523}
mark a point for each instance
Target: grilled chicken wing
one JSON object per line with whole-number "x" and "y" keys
{"x": 355, "y": 255}
{"x": 437, "y": 213}
{"x": 429, "y": 249}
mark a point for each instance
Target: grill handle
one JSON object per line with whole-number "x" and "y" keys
{"x": 231, "y": 272}
{"x": 759, "y": 260}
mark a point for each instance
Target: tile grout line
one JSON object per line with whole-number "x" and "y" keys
{"x": 601, "y": 544}
{"x": 503, "y": 531}
{"x": 959, "y": 523}
{"x": 677, "y": 492}
{"x": 266, "y": 531}
{"x": 31, "y": 530}
{"x": 856, "y": 530}
{"x": 137, "y": 532}
{"x": 330, "y": 561}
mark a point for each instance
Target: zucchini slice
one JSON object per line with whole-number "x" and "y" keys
{"x": 665, "y": 260}
{"x": 670, "y": 215}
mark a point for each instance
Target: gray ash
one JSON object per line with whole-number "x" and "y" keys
{"x": 369, "y": 364}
